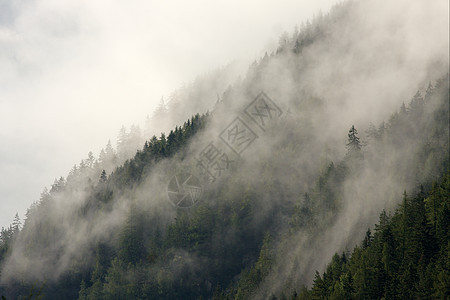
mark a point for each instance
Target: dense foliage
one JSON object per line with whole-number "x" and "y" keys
{"x": 239, "y": 238}
{"x": 407, "y": 256}
{"x": 408, "y": 248}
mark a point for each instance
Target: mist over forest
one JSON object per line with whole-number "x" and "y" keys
{"x": 320, "y": 173}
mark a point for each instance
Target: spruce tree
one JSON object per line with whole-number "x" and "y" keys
{"x": 353, "y": 144}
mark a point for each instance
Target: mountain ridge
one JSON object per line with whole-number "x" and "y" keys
{"x": 297, "y": 188}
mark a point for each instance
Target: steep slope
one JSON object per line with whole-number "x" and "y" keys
{"x": 407, "y": 257}
{"x": 283, "y": 205}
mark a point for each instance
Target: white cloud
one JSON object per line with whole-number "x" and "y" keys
{"x": 72, "y": 72}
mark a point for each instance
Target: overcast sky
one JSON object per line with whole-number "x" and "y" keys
{"x": 73, "y": 71}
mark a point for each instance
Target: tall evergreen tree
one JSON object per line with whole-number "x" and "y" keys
{"x": 353, "y": 143}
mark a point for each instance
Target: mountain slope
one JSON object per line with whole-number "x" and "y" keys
{"x": 406, "y": 258}
{"x": 285, "y": 204}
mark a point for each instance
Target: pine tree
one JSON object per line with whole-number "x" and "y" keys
{"x": 319, "y": 290}
{"x": 17, "y": 223}
{"x": 131, "y": 238}
{"x": 122, "y": 140}
{"x": 417, "y": 101}
{"x": 367, "y": 240}
{"x": 82, "y": 294}
{"x": 103, "y": 176}
{"x": 428, "y": 92}
{"x": 353, "y": 145}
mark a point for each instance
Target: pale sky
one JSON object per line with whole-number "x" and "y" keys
{"x": 72, "y": 72}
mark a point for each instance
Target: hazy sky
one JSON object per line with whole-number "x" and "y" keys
{"x": 72, "y": 72}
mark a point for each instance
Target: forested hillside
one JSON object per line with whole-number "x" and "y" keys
{"x": 336, "y": 141}
{"x": 406, "y": 256}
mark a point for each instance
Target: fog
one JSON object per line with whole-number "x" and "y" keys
{"x": 73, "y": 72}
{"x": 370, "y": 59}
